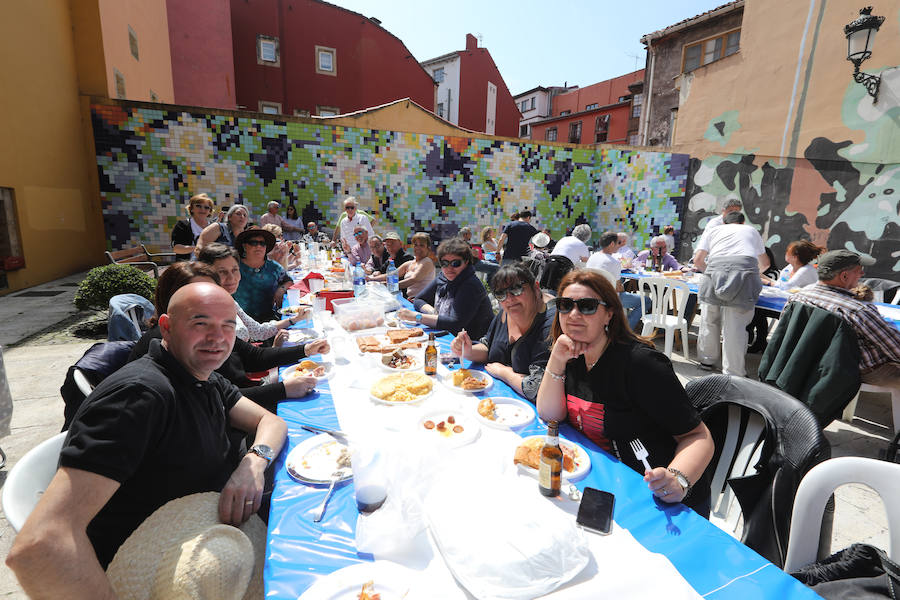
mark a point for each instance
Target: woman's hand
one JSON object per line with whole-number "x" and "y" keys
{"x": 461, "y": 344}
{"x": 664, "y": 485}
{"x": 499, "y": 370}
{"x": 564, "y": 350}
{"x": 297, "y": 387}
{"x": 280, "y": 338}
{"x": 404, "y": 314}
{"x": 317, "y": 347}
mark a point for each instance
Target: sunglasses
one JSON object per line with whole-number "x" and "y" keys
{"x": 586, "y": 306}
{"x": 359, "y": 234}
{"x": 350, "y": 207}
{"x": 516, "y": 290}
{"x": 203, "y": 206}
{"x": 452, "y": 263}
{"x": 255, "y": 243}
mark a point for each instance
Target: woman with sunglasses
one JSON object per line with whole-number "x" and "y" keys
{"x": 516, "y": 346}
{"x": 455, "y": 299}
{"x": 185, "y": 233}
{"x": 236, "y": 220}
{"x": 615, "y": 387}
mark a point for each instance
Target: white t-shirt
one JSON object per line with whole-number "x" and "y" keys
{"x": 573, "y": 248}
{"x": 348, "y": 225}
{"x": 788, "y": 279}
{"x": 732, "y": 240}
{"x": 606, "y": 262}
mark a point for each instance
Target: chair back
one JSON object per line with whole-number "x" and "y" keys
{"x": 29, "y": 478}
{"x": 765, "y": 442}
{"x": 817, "y": 487}
{"x": 98, "y": 362}
{"x": 662, "y": 294}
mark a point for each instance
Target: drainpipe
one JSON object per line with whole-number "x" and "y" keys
{"x": 648, "y": 95}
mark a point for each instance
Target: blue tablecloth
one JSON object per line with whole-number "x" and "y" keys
{"x": 299, "y": 551}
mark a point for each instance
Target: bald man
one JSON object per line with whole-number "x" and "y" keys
{"x": 151, "y": 432}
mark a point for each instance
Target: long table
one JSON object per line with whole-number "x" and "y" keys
{"x": 299, "y": 551}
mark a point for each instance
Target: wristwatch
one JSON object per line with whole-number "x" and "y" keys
{"x": 682, "y": 480}
{"x": 262, "y": 451}
{"x": 418, "y": 317}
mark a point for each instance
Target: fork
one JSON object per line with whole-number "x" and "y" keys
{"x": 334, "y": 478}
{"x": 640, "y": 452}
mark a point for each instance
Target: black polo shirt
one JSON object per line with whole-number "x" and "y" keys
{"x": 518, "y": 234}
{"x": 528, "y": 355}
{"x": 159, "y": 432}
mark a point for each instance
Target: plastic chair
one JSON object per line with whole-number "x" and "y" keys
{"x": 765, "y": 442}
{"x": 554, "y": 269}
{"x": 29, "y": 478}
{"x": 820, "y": 483}
{"x": 661, "y": 290}
{"x": 848, "y": 413}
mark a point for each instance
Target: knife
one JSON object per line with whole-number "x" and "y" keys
{"x": 338, "y": 435}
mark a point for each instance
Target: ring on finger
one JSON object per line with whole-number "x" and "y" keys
{"x": 665, "y": 492}
{"x": 249, "y": 502}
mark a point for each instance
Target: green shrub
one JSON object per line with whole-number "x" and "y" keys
{"x": 102, "y": 283}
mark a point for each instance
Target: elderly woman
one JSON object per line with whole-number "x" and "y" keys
{"x": 615, "y": 387}
{"x": 456, "y": 299}
{"x": 517, "y": 343}
{"x": 658, "y": 254}
{"x": 236, "y": 220}
{"x": 259, "y": 290}
{"x": 416, "y": 274}
{"x": 244, "y": 357}
{"x": 185, "y": 233}
{"x": 224, "y": 260}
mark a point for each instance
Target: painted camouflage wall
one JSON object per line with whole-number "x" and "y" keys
{"x": 151, "y": 160}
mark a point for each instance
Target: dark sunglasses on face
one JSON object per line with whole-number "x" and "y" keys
{"x": 456, "y": 263}
{"x": 203, "y": 206}
{"x": 586, "y": 306}
{"x": 359, "y": 234}
{"x": 350, "y": 207}
{"x": 515, "y": 290}
{"x": 255, "y": 243}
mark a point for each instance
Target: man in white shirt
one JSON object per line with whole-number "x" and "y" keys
{"x": 731, "y": 205}
{"x": 349, "y": 221}
{"x": 605, "y": 260}
{"x": 730, "y": 257}
{"x": 623, "y": 250}
{"x": 574, "y": 247}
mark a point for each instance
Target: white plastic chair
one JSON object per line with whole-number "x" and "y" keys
{"x": 850, "y": 410}
{"x": 84, "y": 386}
{"x": 29, "y": 478}
{"x": 819, "y": 484}
{"x": 660, "y": 290}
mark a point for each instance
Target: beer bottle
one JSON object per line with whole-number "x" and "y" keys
{"x": 431, "y": 356}
{"x": 550, "y": 472}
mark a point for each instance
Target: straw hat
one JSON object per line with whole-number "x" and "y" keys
{"x": 182, "y": 551}
{"x": 540, "y": 240}
{"x": 254, "y": 233}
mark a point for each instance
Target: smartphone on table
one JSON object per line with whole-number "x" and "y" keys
{"x": 595, "y": 512}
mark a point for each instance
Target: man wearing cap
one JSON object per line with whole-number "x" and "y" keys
{"x": 730, "y": 257}
{"x": 154, "y": 431}
{"x": 349, "y": 221}
{"x": 260, "y": 276}
{"x": 574, "y": 246}
{"x": 879, "y": 341}
{"x": 393, "y": 245}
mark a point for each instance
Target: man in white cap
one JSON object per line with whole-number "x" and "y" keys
{"x": 155, "y": 430}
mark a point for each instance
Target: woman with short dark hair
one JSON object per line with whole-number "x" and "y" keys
{"x": 455, "y": 299}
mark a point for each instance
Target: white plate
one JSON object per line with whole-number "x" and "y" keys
{"x": 417, "y": 355}
{"x": 454, "y": 440}
{"x": 315, "y": 459}
{"x": 511, "y": 413}
{"x": 390, "y": 580}
{"x": 291, "y": 311}
{"x": 302, "y": 336}
{"x": 416, "y": 400}
{"x": 447, "y": 380}
{"x": 329, "y": 370}
{"x": 582, "y": 460}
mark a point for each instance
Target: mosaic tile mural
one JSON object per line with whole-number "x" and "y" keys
{"x": 151, "y": 161}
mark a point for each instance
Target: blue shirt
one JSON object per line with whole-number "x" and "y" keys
{"x": 256, "y": 292}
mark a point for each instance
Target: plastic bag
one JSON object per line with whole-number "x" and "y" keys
{"x": 378, "y": 292}
{"x": 501, "y": 539}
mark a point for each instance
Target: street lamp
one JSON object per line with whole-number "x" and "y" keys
{"x": 860, "y": 37}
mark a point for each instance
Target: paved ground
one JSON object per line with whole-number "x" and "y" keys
{"x": 39, "y": 344}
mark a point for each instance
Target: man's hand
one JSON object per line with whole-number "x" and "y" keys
{"x": 242, "y": 494}
{"x": 297, "y": 387}
{"x": 317, "y": 347}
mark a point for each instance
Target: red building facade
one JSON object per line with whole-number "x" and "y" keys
{"x": 477, "y": 73}
{"x": 598, "y": 113}
{"x": 311, "y": 57}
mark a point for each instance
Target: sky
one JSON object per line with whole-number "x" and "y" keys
{"x": 534, "y": 43}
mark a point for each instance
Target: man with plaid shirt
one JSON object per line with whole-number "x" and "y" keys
{"x": 879, "y": 341}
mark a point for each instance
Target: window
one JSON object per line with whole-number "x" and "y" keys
{"x": 565, "y": 112}
{"x": 270, "y": 108}
{"x": 153, "y": 96}
{"x": 532, "y": 103}
{"x": 706, "y": 51}
{"x": 524, "y": 106}
{"x": 301, "y": 113}
{"x": 636, "y": 105}
{"x": 550, "y": 136}
{"x": 267, "y": 51}
{"x": 120, "y": 84}
{"x": 673, "y": 123}
{"x": 326, "y": 61}
{"x": 592, "y": 106}
{"x": 523, "y": 131}
{"x": 440, "y": 109}
{"x": 327, "y": 111}
{"x": 575, "y": 132}
{"x": 439, "y": 74}
{"x": 635, "y": 140}
{"x": 133, "y": 43}
{"x": 601, "y": 128}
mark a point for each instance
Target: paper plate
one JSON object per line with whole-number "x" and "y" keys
{"x": 315, "y": 459}
{"x": 302, "y": 336}
{"x": 329, "y": 369}
{"x": 290, "y": 311}
{"x": 414, "y": 400}
{"x": 510, "y": 413}
{"x": 464, "y": 430}
{"x": 390, "y": 581}
{"x": 447, "y": 380}
{"x": 582, "y": 459}
{"x": 417, "y": 357}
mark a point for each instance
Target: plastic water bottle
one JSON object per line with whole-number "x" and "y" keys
{"x": 359, "y": 281}
{"x": 393, "y": 278}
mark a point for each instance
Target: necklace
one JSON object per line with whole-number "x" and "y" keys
{"x": 602, "y": 350}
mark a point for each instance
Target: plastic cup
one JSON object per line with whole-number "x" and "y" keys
{"x": 316, "y": 285}
{"x": 293, "y": 295}
{"x": 369, "y": 478}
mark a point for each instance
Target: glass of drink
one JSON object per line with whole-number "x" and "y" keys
{"x": 369, "y": 478}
